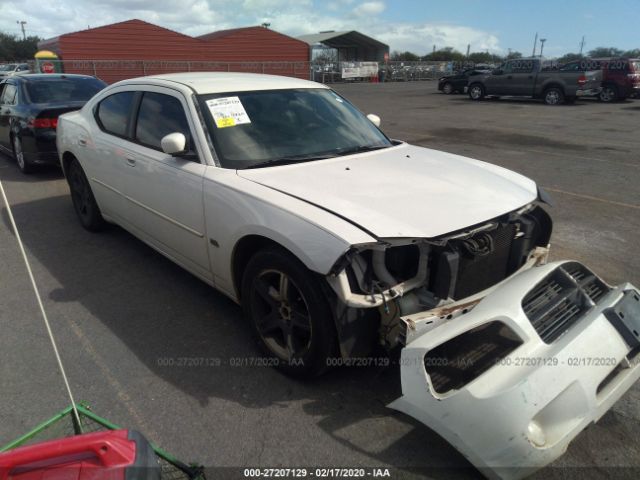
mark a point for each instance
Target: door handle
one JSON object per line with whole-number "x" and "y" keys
{"x": 131, "y": 161}
{"x": 82, "y": 142}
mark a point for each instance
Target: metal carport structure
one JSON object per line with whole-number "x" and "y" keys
{"x": 351, "y": 46}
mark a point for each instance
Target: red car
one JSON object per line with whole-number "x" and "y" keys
{"x": 620, "y": 76}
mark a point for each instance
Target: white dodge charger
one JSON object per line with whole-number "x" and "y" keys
{"x": 333, "y": 238}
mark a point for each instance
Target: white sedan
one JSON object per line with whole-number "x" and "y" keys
{"x": 333, "y": 237}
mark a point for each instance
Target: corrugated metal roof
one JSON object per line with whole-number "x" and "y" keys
{"x": 223, "y": 33}
{"x": 126, "y": 23}
{"x": 314, "y": 38}
{"x": 343, "y": 39}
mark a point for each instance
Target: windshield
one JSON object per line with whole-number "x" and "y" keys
{"x": 63, "y": 89}
{"x": 7, "y": 68}
{"x": 261, "y": 127}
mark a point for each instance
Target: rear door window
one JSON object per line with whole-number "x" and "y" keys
{"x": 160, "y": 115}
{"x": 113, "y": 113}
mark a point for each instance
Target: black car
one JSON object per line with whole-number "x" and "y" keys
{"x": 29, "y": 110}
{"x": 457, "y": 82}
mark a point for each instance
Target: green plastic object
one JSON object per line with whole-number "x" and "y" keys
{"x": 64, "y": 424}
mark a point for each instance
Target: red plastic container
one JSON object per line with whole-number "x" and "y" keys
{"x": 111, "y": 455}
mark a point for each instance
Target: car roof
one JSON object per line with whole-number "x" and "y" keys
{"x": 220, "y": 82}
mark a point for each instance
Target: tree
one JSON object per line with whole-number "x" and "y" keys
{"x": 404, "y": 57}
{"x": 605, "y": 52}
{"x": 484, "y": 57}
{"x": 14, "y": 49}
{"x": 445, "y": 54}
{"x": 569, "y": 57}
{"x": 635, "y": 53}
{"x": 514, "y": 55}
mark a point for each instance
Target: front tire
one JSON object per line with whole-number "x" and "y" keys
{"x": 447, "y": 88}
{"x": 82, "y": 197}
{"x": 608, "y": 94}
{"x": 553, "y": 96}
{"x": 288, "y": 312}
{"x": 476, "y": 92}
{"x": 23, "y": 164}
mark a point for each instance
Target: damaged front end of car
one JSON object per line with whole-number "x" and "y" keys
{"x": 391, "y": 279}
{"x": 504, "y": 355}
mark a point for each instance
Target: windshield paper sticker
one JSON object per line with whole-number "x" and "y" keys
{"x": 228, "y": 112}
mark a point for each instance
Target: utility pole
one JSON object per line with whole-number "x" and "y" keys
{"x": 582, "y": 44}
{"x": 468, "y": 49}
{"x": 535, "y": 42}
{"x": 22, "y": 23}
{"x": 542, "y": 40}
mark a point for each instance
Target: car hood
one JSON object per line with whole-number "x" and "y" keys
{"x": 403, "y": 191}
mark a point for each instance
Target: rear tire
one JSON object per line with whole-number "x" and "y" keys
{"x": 476, "y": 92}
{"x": 288, "y": 313}
{"x": 553, "y": 96}
{"x": 23, "y": 164}
{"x": 82, "y": 197}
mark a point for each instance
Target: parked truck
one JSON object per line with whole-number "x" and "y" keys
{"x": 535, "y": 78}
{"x": 620, "y": 76}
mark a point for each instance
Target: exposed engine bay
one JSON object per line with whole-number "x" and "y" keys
{"x": 400, "y": 277}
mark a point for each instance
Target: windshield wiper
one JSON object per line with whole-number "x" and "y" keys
{"x": 314, "y": 156}
{"x": 290, "y": 159}
{"x": 363, "y": 148}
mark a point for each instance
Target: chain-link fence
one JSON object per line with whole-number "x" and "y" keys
{"x": 396, "y": 71}
{"x": 114, "y": 70}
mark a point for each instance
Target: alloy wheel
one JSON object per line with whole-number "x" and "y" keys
{"x": 281, "y": 314}
{"x": 552, "y": 97}
{"x": 607, "y": 94}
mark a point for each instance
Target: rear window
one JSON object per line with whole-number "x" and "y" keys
{"x": 59, "y": 90}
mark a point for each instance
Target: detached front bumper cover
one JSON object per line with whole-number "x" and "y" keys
{"x": 520, "y": 412}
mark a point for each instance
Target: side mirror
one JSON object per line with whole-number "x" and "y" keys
{"x": 375, "y": 119}
{"x": 497, "y": 71}
{"x": 174, "y": 144}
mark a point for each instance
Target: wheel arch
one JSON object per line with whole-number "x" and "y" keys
{"x": 246, "y": 246}
{"x": 67, "y": 157}
{"x": 554, "y": 84}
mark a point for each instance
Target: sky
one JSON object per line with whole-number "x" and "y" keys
{"x": 414, "y": 25}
